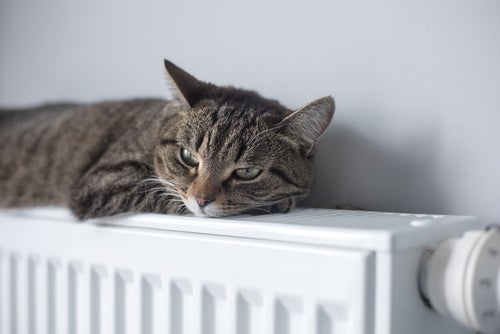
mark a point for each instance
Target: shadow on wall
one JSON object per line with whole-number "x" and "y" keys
{"x": 353, "y": 170}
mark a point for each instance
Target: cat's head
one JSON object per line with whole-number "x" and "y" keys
{"x": 229, "y": 151}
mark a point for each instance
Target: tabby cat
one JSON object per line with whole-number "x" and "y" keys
{"x": 210, "y": 150}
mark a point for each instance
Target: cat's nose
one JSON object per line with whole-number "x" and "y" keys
{"x": 203, "y": 201}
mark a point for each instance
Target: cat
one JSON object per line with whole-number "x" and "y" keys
{"x": 210, "y": 150}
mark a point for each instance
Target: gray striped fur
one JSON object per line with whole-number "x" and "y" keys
{"x": 118, "y": 157}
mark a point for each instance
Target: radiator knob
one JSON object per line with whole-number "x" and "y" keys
{"x": 461, "y": 279}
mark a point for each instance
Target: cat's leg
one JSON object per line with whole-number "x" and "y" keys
{"x": 121, "y": 187}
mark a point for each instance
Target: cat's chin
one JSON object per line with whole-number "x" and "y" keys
{"x": 209, "y": 213}
{"x": 210, "y": 210}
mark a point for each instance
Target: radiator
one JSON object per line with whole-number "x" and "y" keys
{"x": 310, "y": 271}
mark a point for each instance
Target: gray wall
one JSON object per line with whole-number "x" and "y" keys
{"x": 417, "y": 83}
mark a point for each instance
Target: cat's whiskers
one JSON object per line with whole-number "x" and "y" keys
{"x": 183, "y": 209}
{"x": 158, "y": 189}
{"x": 153, "y": 190}
{"x": 172, "y": 199}
{"x": 158, "y": 182}
{"x": 155, "y": 180}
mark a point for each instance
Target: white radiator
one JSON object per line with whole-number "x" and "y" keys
{"x": 309, "y": 272}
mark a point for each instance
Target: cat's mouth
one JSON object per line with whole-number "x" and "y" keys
{"x": 213, "y": 209}
{"x": 209, "y": 210}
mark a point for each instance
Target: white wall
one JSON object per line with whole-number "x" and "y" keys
{"x": 417, "y": 83}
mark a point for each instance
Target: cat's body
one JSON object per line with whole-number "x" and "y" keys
{"x": 212, "y": 151}
{"x": 45, "y": 152}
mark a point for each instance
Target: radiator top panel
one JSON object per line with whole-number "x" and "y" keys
{"x": 337, "y": 228}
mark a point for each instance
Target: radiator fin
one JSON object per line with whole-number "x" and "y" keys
{"x": 3, "y": 313}
{"x": 123, "y": 280}
{"x": 52, "y": 295}
{"x": 214, "y": 309}
{"x": 289, "y": 317}
{"x": 98, "y": 305}
{"x": 152, "y": 319}
{"x": 33, "y": 264}
{"x": 74, "y": 303}
{"x": 331, "y": 319}
{"x": 53, "y": 266}
{"x": 14, "y": 281}
{"x": 249, "y": 312}
{"x": 181, "y": 308}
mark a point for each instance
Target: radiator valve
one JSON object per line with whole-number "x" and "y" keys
{"x": 461, "y": 279}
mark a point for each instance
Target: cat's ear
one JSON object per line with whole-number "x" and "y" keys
{"x": 308, "y": 123}
{"x": 185, "y": 87}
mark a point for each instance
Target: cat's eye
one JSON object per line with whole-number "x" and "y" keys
{"x": 247, "y": 174}
{"x": 188, "y": 158}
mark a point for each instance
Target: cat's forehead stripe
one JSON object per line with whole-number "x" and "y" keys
{"x": 242, "y": 148}
{"x": 199, "y": 141}
{"x": 168, "y": 141}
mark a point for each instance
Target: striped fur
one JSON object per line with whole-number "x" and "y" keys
{"x": 118, "y": 157}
